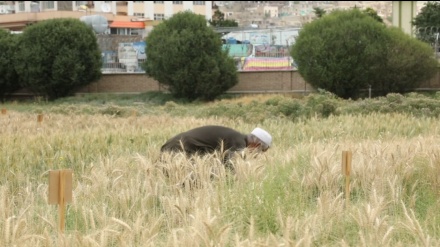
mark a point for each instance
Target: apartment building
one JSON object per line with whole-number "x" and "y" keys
{"x": 124, "y": 17}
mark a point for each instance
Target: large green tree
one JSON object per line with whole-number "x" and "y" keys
{"x": 58, "y": 56}
{"x": 186, "y": 55}
{"x": 8, "y": 76}
{"x": 427, "y": 22}
{"x": 347, "y": 51}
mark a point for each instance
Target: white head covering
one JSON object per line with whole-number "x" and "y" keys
{"x": 263, "y": 135}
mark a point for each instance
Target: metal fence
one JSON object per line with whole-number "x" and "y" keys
{"x": 122, "y": 53}
{"x": 242, "y": 64}
{"x": 117, "y": 67}
{"x": 125, "y": 54}
{"x": 252, "y": 49}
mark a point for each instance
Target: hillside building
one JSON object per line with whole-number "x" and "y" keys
{"x": 124, "y": 17}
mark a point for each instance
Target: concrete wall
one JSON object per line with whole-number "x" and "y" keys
{"x": 122, "y": 83}
{"x": 249, "y": 82}
{"x": 433, "y": 83}
{"x": 271, "y": 81}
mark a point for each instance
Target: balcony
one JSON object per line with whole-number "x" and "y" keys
{"x": 121, "y": 3}
{"x": 121, "y": 8}
{"x": 19, "y": 21}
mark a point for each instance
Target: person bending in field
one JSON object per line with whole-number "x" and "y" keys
{"x": 209, "y": 139}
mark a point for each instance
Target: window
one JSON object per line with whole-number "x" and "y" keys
{"x": 199, "y": 2}
{"x": 177, "y": 2}
{"x": 48, "y": 5}
{"x": 120, "y": 31}
{"x": 158, "y": 17}
{"x": 138, "y": 1}
{"x": 127, "y": 31}
{"x": 79, "y": 3}
{"x": 159, "y": 2}
{"x": 136, "y": 31}
{"x": 139, "y": 14}
{"x": 21, "y": 6}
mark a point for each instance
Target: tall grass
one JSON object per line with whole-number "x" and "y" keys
{"x": 293, "y": 195}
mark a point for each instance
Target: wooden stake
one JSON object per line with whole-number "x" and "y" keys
{"x": 346, "y": 170}
{"x": 3, "y": 111}
{"x": 61, "y": 201}
{"x": 40, "y": 118}
{"x": 60, "y": 192}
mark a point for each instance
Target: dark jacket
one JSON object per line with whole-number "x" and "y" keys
{"x": 206, "y": 139}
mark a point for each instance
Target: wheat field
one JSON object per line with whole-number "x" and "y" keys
{"x": 292, "y": 195}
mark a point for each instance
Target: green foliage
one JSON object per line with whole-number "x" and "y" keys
{"x": 319, "y": 12}
{"x": 58, "y": 56}
{"x": 321, "y": 105}
{"x": 427, "y": 22}
{"x": 8, "y": 76}
{"x": 346, "y": 51}
{"x": 373, "y": 13}
{"x": 186, "y": 55}
{"x": 340, "y": 52}
{"x": 218, "y": 20}
{"x": 150, "y": 98}
{"x": 412, "y": 104}
{"x": 409, "y": 62}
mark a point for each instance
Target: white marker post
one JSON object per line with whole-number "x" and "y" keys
{"x": 346, "y": 170}
{"x": 60, "y": 192}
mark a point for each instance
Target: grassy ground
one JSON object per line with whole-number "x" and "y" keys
{"x": 293, "y": 195}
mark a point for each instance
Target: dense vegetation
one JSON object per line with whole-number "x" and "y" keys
{"x": 8, "y": 76}
{"x": 186, "y": 55}
{"x": 56, "y": 57}
{"x": 243, "y": 108}
{"x": 346, "y": 51}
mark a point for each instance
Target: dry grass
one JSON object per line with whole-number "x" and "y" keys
{"x": 290, "y": 196}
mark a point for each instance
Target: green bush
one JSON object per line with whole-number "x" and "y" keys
{"x": 186, "y": 55}
{"x": 290, "y": 108}
{"x": 340, "y": 52}
{"x": 8, "y": 76}
{"x": 58, "y": 56}
{"x": 407, "y": 63}
{"x": 320, "y": 105}
{"x": 346, "y": 51}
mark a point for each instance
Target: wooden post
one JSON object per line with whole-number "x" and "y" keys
{"x": 40, "y": 118}
{"x": 60, "y": 192}
{"x": 61, "y": 201}
{"x": 346, "y": 170}
{"x": 3, "y": 111}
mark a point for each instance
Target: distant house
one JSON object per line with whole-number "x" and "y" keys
{"x": 270, "y": 11}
